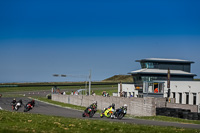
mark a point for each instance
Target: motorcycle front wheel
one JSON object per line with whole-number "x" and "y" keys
{"x": 101, "y": 115}
{"x": 83, "y": 115}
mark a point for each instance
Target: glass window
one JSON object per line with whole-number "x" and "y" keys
{"x": 194, "y": 98}
{"x": 161, "y": 87}
{"x": 147, "y": 65}
{"x": 180, "y": 98}
{"x": 143, "y": 65}
{"x": 187, "y": 98}
{"x": 174, "y": 94}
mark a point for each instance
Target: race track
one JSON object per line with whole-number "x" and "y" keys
{"x": 48, "y": 109}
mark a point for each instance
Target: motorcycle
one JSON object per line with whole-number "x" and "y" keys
{"x": 13, "y": 106}
{"x": 108, "y": 112}
{"x": 119, "y": 114}
{"x": 89, "y": 113}
{"x": 17, "y": 106}
{"x": 27, "y": 107}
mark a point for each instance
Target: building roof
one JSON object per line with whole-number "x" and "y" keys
{"x": 161, "y": 71}
{"x": 164, "y": 60}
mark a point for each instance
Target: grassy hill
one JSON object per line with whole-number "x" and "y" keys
{"x": 118, "y": 78}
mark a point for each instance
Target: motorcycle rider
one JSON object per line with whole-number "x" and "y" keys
{"x": 32, "y": 103}
{"x": 20, "y": 101}
{"x": 111, "y": 106}
{"x": 14, "y": 102}
{"x": 93, "y": 106}
{"x": 121, "y": 108}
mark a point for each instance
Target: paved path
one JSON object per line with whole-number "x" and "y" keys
{"x": 48, "y": 109}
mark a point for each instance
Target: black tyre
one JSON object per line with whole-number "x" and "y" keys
{"x": 91, "y": 114}
{"x": 83, "y": 115}
{"x": 101, "y": 115}
{"x": 120, "y": 116}
{"x": 109, "y": 115}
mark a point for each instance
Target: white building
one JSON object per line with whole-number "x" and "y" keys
{"x": 152, "y": 81}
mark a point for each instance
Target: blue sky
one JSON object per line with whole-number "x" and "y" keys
{"x": 40, "y": 38}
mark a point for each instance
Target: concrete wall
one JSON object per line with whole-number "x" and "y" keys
{"x": 136, "y": 106}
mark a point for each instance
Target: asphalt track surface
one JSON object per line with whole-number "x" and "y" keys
{"x": 48, "y": 109}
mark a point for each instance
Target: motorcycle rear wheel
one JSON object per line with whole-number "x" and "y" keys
{"x": 120, "y": 116}
{"x": 91, "y": 114}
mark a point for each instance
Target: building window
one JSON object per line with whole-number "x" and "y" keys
{"x": 180, "y": 98}
{"x": 147, "y": 65}
{"x": 187, "y": 98}
{"x": 174, "y": 95}
{"x": 153, "y": 87}
{"x": 161, "y": 87}
{"x": 194, "y": 98}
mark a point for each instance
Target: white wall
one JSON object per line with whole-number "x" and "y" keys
{"x": 184, "y": 87}
{"x": 128, "y": 88}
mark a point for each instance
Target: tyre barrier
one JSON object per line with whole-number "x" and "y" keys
{"x": 178, "y": 113}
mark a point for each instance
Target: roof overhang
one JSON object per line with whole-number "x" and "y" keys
{"x": 164, "y": 60}
{"x": 161, "y": 72}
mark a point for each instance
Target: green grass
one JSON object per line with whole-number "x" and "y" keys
{"x": 37, "y": 88}
{"x": 165, "y": 118}
{"x": 15, "y": 122}
{"x": 18, "y": 89}
{"x": 120, "y": 78}
{"x": 110, "y": 91}
{"x": 60, "y": 104}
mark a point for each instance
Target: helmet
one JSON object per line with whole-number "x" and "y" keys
{"x": 125, "y": 105}
{"x": 113, "y": 105}
{"x": 14, "y": 99}
{"x": 95, "y": 102}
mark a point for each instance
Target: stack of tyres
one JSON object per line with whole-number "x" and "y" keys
{"x": 179, "y": 113}
{"x": 162, "y": 111}
{"x": 158, "y": 111}
{"x": 198, "y": 116}
{"x": 185, "y": 115}
{"x": 190, "y": 116}
{"x": 195, "y": 116}
{"x": 167, "y": 113}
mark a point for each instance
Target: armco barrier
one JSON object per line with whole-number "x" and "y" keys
{"x": 136, "y": 106}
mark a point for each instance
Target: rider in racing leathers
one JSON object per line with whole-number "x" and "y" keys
{"x": 14, "y": 102}
{"x": 121, "y": 108}
{"x": 93, "y": 106}
{"x": 106, "y": 109}
{"x": 32, "y": 103}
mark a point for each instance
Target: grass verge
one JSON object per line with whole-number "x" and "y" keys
{"x": 38, "y": 88}
{"x": 169, "y": 119}
{"x": 15, "y": 122}
{"x": 60, "y": 104}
